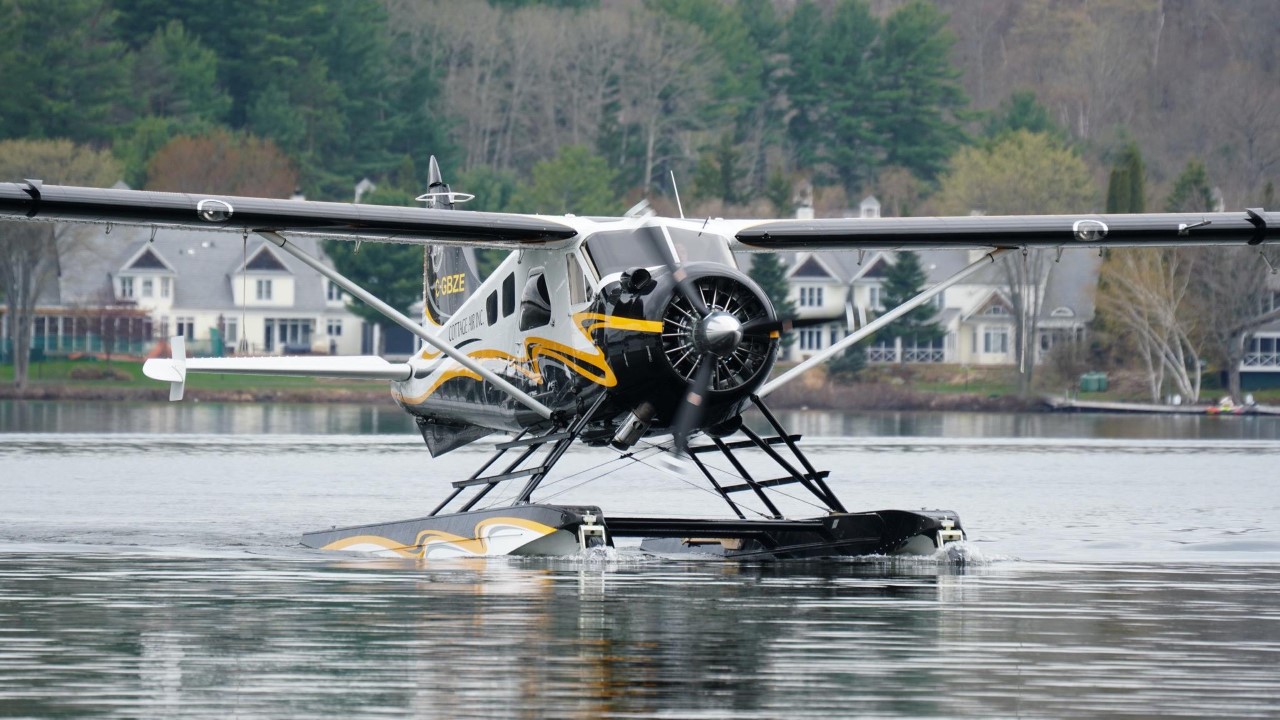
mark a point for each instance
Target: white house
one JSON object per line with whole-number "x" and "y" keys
{"x": 224, "y": 294}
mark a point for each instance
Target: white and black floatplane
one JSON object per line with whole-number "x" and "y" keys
{"x": 604, "y": 331}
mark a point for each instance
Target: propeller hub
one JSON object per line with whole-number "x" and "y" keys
{"x": 719, "y": 333}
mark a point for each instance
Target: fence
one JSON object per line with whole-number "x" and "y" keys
{"x": 888, "y": 354}
{"x": 1256, "y": 360}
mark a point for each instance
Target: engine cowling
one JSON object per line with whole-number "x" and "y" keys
{"x": 655, "y": 370}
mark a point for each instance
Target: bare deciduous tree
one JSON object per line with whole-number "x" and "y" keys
{"x": 29, "y": 252}
{"x": 1147, "y": 293}
{"x": 1229, "y": 286}
{"x": 222, "y": 163}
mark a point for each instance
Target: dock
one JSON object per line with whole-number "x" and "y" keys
{"x": 1060, "y": 403}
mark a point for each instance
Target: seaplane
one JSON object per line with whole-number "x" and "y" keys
{"x": 605, "y": 331}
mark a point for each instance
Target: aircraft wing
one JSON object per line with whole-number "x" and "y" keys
{"x": 1251, "y": 227}
{"x": 33, "y": 200}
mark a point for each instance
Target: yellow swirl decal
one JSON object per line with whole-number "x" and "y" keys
{"x": 590, "y": 364}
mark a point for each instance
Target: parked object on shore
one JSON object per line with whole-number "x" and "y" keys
{"x": 636, "y": 332}
{"x": 1065, "y": 404}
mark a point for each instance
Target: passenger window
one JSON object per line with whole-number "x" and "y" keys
{"x": 509, "y": 295}
{"x": 491, "y": 307}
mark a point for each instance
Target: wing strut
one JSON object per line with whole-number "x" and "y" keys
{"x": 879, "y": 322}
{"x": 400, "y": 319}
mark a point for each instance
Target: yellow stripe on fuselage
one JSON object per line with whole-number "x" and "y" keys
{"x": 591, "y": 365}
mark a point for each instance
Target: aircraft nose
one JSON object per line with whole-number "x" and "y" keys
{"x": 719, "y": 333}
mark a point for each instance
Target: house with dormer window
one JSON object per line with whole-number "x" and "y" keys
{"x": 232, "y": 295}
{"x": 223, "y": 293}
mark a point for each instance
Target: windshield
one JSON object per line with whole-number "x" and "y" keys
{"x": 620, "y": 250}
{"x": 694, "y": 246}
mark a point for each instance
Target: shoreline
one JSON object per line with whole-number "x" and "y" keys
{"x": 860, "y": 396}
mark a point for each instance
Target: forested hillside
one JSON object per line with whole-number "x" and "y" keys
{"x": 743, "y": 100}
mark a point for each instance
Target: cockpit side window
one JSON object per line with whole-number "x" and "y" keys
{"x": 535, "y": 301}
{"x": 579, "y": 289}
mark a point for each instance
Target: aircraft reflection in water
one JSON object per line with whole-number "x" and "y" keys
{"x": 618, "y": 331}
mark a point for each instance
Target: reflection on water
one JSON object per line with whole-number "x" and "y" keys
{"x": 140, "y": 636}
{"x": 202, "y": 417}
{"x": 30, "y": 416}
{"x": 827, "y": 423}
{"x": 1116, "y": 566}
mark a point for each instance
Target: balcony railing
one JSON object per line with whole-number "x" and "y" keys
{"x": 1257, "y": 360}
{"x": 888, "y": 354}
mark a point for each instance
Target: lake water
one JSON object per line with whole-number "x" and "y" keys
{"x": 1116, "y": 566}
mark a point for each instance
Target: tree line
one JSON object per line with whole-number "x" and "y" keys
{"x": 581, "y": 106}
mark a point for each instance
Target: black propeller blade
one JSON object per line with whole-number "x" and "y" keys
{"x": 689, "y": 415}
{"x": 764, "y": 326}
{"x": 690, "y": 291}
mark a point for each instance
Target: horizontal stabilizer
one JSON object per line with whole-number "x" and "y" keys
{"x": 363, "y": 367}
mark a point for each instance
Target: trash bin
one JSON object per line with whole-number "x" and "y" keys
{"x": 1093, "y": 382}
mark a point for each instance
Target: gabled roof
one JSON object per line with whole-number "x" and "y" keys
{"x": 995, "y": 296}
{"x": 146, "y": 258}
{"x": 877, "y": 268}
{"x": 812, "y": 266}
{"x": 204, "y": 263}
{"x": 264, "y": 259}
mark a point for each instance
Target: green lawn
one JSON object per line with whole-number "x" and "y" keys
{"x": 58, "y": 372}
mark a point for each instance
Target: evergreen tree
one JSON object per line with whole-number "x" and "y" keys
{"x": 771, "y": 275}
{"x": 903, "y": 280}
{"x": 1127, "y": 187}
{"x": 1118, "y": 186}
{"x": 844, "y": 368}
{"x": 63, "y": 73}
{"x": 805, "y": 83}
{"x": 575, "y": 181}
{"x": 1191, "y": 191}
{"x": 1021, "y": 111}
{"x": 848, "y": 131}
{"x": 918, "y": 102}
{"x": 391, "y": 271}
{"x": 717, "y": 172}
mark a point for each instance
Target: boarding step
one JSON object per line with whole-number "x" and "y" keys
{"x": 775, "y": 482}
{"x": 494, "y": 479}
{"x": 743, "y": 444}
{"x": 525, "y": 442}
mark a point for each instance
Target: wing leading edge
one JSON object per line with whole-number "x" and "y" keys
{"x": 33, "y": 200}
{"x": 1252, "y": 227}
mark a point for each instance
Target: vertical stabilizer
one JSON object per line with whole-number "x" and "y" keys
{"x": 449, "y": 275}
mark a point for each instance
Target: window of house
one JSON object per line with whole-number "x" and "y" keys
{"x": 290, "y": 334}
{"x": 333, "y": 293}
{"x": 126, "y": 287}
{"x": 263, "y": 290}
{"x": 165, "y": 287}
{"x": 811, "y": 339}
{"x": 186, "y": 327}
{"x": 334, "y": 328}
{"x": 810, "y": 297}
{"x": 836, "y": 335}
{"x": 147, "y": 287}
{"x": 995, "y": 340}
{"x": 231, "y": 331}
{"x": 997, "y": 310}
{"x": 875, "y": 299}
